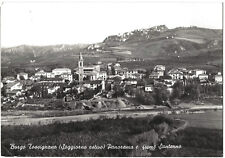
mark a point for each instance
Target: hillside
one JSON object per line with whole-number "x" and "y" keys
{"x": 160, "y": 42}
{"x": 188, "y": 45}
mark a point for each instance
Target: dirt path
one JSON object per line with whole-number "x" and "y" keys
{"x": 27, "y": 120}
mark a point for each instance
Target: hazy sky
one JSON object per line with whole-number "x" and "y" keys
{"x": 47, "y": 23}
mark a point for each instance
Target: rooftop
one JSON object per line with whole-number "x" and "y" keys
{"x": 61, "y": 69}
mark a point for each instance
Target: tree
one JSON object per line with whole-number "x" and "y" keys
{"x": 36, "y": 90}
{"x": 178, "y": 90}
{"x": 161, "y": 95}
{"x": 22, "y": 78}
{"x": 88, "y": 94}
{"x": 60, "y": 94}
{"x": 3, "y": 91}
{"x": 192, "y": 91}
{"x": 144, "y": 98}
{"x": 118, "y": 91}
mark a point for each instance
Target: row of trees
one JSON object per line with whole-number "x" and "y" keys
{"x": 192, "y": 91}
{"x": 195, "y": 90}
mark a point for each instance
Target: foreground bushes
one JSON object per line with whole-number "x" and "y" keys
{"x": 119, "y": 131}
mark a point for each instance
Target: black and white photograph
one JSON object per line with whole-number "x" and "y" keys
{"x": 111, "y": 78}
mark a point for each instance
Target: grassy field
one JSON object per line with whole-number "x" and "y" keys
{"x": 209, "y": 119}
{"x": 117, "y": 132}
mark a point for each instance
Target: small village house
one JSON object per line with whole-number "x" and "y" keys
{"x": 22, "y": 76}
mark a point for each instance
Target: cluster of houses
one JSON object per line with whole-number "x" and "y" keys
{"x": 98, "y": 76}
{"x": 17, "y": 87}
{"x": 159, "y": 76}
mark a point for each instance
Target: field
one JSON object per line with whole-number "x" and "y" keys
{"x": 209, "y": 119}
{"x": 117, "y": 132}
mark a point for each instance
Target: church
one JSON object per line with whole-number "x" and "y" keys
{"x": 90, "y": 73}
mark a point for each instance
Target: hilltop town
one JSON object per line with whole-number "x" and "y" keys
{"x": 108, "y": 86}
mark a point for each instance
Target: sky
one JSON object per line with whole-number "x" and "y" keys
{"x": 57, "y": 22}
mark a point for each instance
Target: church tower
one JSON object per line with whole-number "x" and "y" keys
{"x": 81, "y": 68}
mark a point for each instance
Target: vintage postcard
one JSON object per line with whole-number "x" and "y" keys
{"x": 111, "y": 79}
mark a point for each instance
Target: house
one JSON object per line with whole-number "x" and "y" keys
{"x": 130, "y": 73}
{"x": 218, "y": 78}
{"x": 14, "y": 86}
{"x": 22, "y": 76}
{"x": 51, "y": 80}
{"x": 159, "y": 68}
{"x": 138, "y": 76}
{"x": 155, "y": 75}
{"x": 149, "y": 88}
{"x": 60, "y": 71}
{"x": 102, "y": 75}
{"x": 67, "y": 89}
{"x": 203, "y": 77}
{"x": 53, "y": 89}
{"x": 197, "y": 72}
{"x": 168, "y": 83}
{"x": 14, "y": 89}
{"x": 35, "y": 78}
{"x": 117, "y": 69}
{"x": 50, "y": 75}
{"x": 41, "y": 73}
{"x": 9, "y": 79}
{"x": 176, "y": 74}
{"x": 92, "y": 84}
{"x": 66, "y": 76}
{"x": 130, "y": 81}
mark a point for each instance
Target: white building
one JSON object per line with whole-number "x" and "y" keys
{"x": 102, "y": 75}
{"x": 155, "y": 75}
{"x": 53, "y": 89}
{"x": 41, "y": 73}
{"x": 14, "y": 86}
{"x": 176, "y": 74}
{"x": 203, "y": 77}
{"x": 130, "y": 81}
{"x": 159, "y": 68}
{"x": 50, "y": 75}
{"x": 149, "y": 88}
{"x": 60, "y": 71}
{"x": 9, "y": 79}
{"x": 68, "y": 77}
{"x": 218, "y": 78}
{"x": 198, "y": 72}
{"x": 92, "y": 84}
{"x": 130, "y": 73}
{"x": 22, "y": 75}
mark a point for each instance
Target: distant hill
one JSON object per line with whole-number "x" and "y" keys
{"x": 160, "y": 42}
{"x": 188, "y": 45}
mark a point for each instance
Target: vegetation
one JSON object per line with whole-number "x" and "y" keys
{"x": 119, "y": 131}
{"x": 195, "y": 142}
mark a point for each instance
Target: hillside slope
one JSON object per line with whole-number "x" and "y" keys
{"x": 160, "y": 42}
{"x": 187, "y": 45}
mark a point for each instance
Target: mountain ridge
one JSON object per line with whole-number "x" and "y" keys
{"x": 158, "y": 42}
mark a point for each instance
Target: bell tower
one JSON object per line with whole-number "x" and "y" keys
{"x": 81, "y": 68}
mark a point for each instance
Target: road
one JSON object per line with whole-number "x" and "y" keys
{"x": 29, "y": 119}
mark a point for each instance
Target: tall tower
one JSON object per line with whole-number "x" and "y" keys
{"x": 81, "y": 68}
